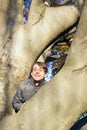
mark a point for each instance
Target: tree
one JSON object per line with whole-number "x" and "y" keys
{"x": 60, "y": 102}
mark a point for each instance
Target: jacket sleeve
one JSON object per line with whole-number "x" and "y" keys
{"x": 18, "y": 100}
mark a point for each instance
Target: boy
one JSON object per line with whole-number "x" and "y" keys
{"x": 30, "y": 86}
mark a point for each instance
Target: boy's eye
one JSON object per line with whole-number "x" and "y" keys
{"x": 37, "y": 69}
{"x": 41, "y": 69}
{"x": 34, "y": 69}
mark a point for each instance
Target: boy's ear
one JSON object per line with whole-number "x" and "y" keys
{"x": 31, "y": 73}
{"x": 45, "y": 74}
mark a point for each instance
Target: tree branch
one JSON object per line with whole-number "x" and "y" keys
{"x": 36, "y": 2}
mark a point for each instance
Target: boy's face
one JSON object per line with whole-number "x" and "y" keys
{"x": 37, "y": 73}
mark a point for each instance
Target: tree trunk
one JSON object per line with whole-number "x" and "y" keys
{"x": 59, "y": 103}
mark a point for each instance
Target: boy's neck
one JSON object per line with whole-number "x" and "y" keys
{"x": 37, "y": 83}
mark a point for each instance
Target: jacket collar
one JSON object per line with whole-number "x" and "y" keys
{"x": 40, "y": 84}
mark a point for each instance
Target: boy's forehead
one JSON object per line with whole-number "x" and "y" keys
{"x": 36, "y": 66}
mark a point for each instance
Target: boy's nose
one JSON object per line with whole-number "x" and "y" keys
{"x": 37, "y": 71}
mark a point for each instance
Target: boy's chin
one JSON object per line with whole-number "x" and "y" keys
{"x": 38, "y": 80}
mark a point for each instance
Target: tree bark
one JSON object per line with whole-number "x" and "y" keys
{"x": 59, "y": 103}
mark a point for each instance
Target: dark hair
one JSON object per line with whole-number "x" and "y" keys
{"x": 43, "y": 65}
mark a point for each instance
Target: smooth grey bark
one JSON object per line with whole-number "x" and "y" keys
{"x": 60, "y": 102}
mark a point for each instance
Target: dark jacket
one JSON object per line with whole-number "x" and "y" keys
{"x": 25, "y": 91}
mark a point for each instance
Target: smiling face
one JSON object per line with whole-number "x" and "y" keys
{"x": 38, "y": 72}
